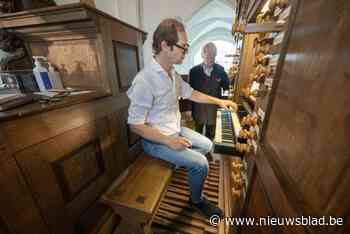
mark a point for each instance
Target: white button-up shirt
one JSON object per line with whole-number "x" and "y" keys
{"x": 154, "y": 98}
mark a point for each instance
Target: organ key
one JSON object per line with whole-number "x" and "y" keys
{"x": 226, "y": 133}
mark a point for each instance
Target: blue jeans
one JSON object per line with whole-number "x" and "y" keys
{"x": 192, "y": 159}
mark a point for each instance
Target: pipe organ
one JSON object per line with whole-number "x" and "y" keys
{"x": 73, "y": 166}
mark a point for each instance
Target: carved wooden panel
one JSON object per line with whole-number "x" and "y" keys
{"x": 127, "y": 65}
{"x": 77, "y": 61}
{"x": 65, "y": 158}
{"x": 67, "y": 175}
{"x": 116, "y": 32}
{"x": 258, "y": 207}
{"x": 18, "y": 209}
{"x": 123, "y": 140}
{"x": 268, "y": 204}
{"x": 76, "y": 171}
{"x": 309, "y": 128}
{"x": 3, "y": 228}
{"x": 303, "y": 161}
{"x": 306, "y": 145}
{"x": 22, "y": 5}
{"x": 67, "y": 193}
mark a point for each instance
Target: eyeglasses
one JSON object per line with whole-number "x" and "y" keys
{"x": 185, "y": 49}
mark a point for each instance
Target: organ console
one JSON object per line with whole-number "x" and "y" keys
{"x": 227, "y": 132}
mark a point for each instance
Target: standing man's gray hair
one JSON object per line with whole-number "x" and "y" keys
{"x": 209, "y": 47}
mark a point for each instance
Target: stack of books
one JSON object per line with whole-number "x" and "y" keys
{"x": 8, "y": 101}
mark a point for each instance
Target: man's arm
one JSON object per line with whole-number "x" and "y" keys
{"x": 149, "y": 133}
{"x": 152, "y": 134}
{"x": 203, "y": 98}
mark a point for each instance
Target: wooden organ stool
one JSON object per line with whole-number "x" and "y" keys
{"x": 136, "y": 194}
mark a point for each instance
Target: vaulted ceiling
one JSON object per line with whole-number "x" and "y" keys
{"x": 213, "y": 21}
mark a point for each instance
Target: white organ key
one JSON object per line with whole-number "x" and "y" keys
{"x": 236, "y": 124}
{"x": 218, "y": 136}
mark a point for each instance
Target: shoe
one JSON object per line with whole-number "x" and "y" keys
{"x": 206, "y": 208}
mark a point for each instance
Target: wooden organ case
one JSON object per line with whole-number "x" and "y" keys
{"x": 57, "y": 159}
{"x": 301, "y": 155}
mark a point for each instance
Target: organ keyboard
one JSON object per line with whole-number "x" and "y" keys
{"x": 226, "y": 132}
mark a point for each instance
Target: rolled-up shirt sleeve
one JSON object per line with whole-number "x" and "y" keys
{"x": 186, "y": 90}
{"x": 141, "y": 99}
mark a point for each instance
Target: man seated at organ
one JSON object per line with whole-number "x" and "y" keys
{"x": 154, "y": 112}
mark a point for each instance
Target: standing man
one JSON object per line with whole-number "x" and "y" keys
{"x": 154, "y": 112}
{"x": 208, "y": 77}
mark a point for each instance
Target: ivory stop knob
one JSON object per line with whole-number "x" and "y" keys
{"x": 237, "y": 165}
{"x": 236, "y": 193}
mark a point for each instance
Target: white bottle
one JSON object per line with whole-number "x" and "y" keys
{"x": 41, "y": 74}
{"x": 55, "y": 77}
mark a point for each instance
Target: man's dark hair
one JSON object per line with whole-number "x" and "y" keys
{"x": 166, "y": 31}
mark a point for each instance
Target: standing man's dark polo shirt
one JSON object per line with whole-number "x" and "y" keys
{"x": 211, "y": 85}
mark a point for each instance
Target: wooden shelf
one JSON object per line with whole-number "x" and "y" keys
{"x": 36, "y": 107}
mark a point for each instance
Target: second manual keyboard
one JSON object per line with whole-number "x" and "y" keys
{"x": 226, "y": 132}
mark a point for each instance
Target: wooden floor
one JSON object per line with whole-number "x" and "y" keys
{"x": 174, "y": 214}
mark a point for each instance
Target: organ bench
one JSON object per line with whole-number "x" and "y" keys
{"x": 136, "y": 194}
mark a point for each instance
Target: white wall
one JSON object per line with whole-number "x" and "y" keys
{"x": 129, "y": 11}
{"x": 108, "y": 6}
{"x": 147, "y": 14}
{"x": 125, "y": 10}
{"x": 154, "y": 11}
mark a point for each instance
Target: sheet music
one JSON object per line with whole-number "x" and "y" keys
{"x": 8, "y": 97}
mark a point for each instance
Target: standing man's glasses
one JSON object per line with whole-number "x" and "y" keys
{"x": 185, "y": 49}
